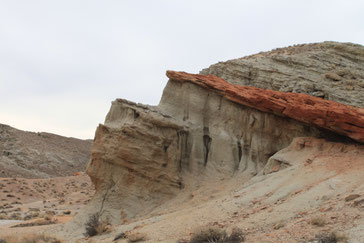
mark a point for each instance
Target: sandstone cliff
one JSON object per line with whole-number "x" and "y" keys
{"x": 40, "y": 155}
{"x": 203, "y": 130}
{"x": 209, "y": 139}
{"x": 331, "y": 70}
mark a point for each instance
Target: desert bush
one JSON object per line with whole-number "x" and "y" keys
{"x": 136, "y": 237}
{"x": 15, "y": 216}
{"x": 318, "y": 221}
{"x": 95, "y": 225}
{"x": 279, "y": 225}
{"x": 333, "y": 237}
{"x": 122, "y": 235}
{"x": 35, "y": 214}
{"x": 217, "y": 235}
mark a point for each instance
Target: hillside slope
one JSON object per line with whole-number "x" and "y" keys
{"x": 40, "y": 155}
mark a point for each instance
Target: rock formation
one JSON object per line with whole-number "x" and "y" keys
{"x": 342, "y": 119}
{"x": 204, "y": 129}
{"x": 245, "y": 145}
{"x": 331, "y": 70}
{"x": 40, "y": 155}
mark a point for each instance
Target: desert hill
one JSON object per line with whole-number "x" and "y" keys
{"x": 40, "y": 155}
{"x": 271, "y": 144}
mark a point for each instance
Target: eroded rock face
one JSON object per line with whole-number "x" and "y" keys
{"x": 144, "y": 155}
{"x": 134, "y": 163}
{"x": 339, "y": 118}
{"x": 331, "y": 70}
{"x": 205, "y": 129}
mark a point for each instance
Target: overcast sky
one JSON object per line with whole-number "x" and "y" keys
{"x": 63, "y": 62}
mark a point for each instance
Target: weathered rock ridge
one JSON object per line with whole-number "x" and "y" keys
{"x": 330, "y": 70}
{"x": 339, "y": 118}
{"x": 203, "y": 130}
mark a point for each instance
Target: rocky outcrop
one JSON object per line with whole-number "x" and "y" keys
{"x": 40, "y": 155}
{"x": 339, "y": 118}
{"x": 330, "y": 70}
{"x": 203, "y": 130}
{"x": 208, "y": 137}
{"x": 206, "y": 130}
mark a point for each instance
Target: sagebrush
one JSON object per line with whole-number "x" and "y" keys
{"x": 217, "y": 235}
{"x": 95, "y": 225}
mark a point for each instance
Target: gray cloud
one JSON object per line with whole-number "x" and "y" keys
{"x": 63, "y": 62}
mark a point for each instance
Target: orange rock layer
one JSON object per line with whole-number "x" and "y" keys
{"x": 336, "y": 117}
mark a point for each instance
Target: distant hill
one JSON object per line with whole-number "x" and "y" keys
{"x": 40, "y": 155}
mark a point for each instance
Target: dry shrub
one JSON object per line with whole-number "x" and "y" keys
{"x": 122, "y": 235}
{"x": 95, "y": 226}
{"x": 318, "y": 221}
{"x": 30, "y": 238}
{"x": 334, "y": 237}
{"x": 279, "y": 225}
{"x": 136, "y": 237}
{"x": 217, "y": 235}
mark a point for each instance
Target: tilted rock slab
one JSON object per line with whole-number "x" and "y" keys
{"x": 336, "y": 117}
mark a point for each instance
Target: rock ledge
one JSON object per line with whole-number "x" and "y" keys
{"x": 342, "y": 119}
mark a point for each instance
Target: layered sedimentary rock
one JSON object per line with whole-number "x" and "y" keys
{"x": 330, "y": 70}
{"x": 204, "y": 129}
{"x": 339, "y": 118}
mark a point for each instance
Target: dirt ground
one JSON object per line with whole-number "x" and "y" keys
{"x": 41, "y": 201}
{"x": 321, "y": 193}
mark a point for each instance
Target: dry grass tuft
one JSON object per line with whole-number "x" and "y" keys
{"x": 279, "y": 225}
{"x": 217, "y": 235}
{"x": 318, "y": 221}
{"x": 334, "y": 237}
{"x": 122, "y": 235}
{"x": 136, "y": 237}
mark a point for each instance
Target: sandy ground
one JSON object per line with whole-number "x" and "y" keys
{"x": 54, "y": 200}
{"x": 317, "y": 195}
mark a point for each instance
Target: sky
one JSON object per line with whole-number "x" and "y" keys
{"x": 63, "y": 62}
